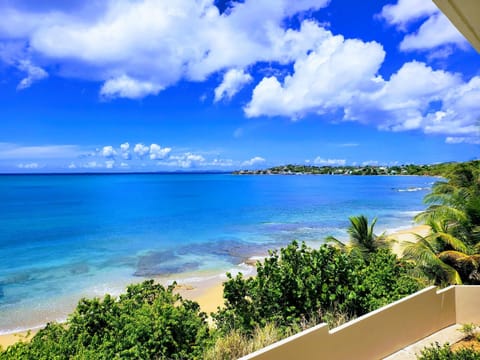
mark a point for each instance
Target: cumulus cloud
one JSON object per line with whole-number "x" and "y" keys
{"x": 187, "y": 160}
{"x": 254, "y": 161}
{"x": 108, "y": 152}
{"x": 329, "y": 162}
{"x": 125, "y": 151}
{"x": 406, "y": 11}
{"x": 174, "y": 40}
{"x": 141, "y": 150}
{"x": 157, "y": 152}
{"x": 233, "y": 81}
{"x": 343, "y": 75}
{"x": 435, "y": 30}
{"x": 323, "y": 80}
{"x": 127, "y": 87}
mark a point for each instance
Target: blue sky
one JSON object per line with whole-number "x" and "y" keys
{"x": 156, "y": 85}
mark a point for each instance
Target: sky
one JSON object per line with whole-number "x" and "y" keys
{"x": 197, "y": 85}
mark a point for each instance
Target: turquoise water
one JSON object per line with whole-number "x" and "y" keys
{"x": 67, "y": 236}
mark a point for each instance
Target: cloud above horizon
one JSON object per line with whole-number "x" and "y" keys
{"x": 140, "y": 157}
{"x": 435, "y": 29}
{"x": 315, "y": 72}
{"x": 184, "y": 39}
{"x": 329, "y": 162}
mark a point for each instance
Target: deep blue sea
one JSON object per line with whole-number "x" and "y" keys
{"x": 67, "y": 236}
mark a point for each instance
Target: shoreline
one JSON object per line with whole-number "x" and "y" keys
{"x": 207, "y": 288}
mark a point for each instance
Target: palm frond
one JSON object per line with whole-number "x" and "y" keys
{"x": 441, "y": 213}
{"x": 452, "y": 275}
{"x": 453, "y": 242}
{"x": 335, "y": 242}
{"x": 420, "y": 251}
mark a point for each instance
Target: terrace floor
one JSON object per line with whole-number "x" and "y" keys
{"x": 450, "y": 334}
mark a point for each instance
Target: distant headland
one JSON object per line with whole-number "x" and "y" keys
{"x": 410, "y": 169}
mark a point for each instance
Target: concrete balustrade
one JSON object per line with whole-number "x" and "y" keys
{"x": 384, "y": 331}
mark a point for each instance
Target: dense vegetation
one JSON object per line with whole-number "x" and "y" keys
{"x": 437, "y": 352}
{"x": 410, "y": 169}
{"x": 147, "y": 322}
{"x": 450, "y": 254}
{"x": 295, "y": 287}
{"x": 302, "y": 284}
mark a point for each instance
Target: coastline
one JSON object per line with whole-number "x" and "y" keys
{"x": 207, "y": 288}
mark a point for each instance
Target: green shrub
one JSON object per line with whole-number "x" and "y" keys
{"x": 300, "y": 284}
{"x": 469, "y": 330}
{"x": 148, "y": 322}
{"x": 437, "y": 352}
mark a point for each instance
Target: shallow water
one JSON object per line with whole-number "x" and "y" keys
{"x": 67, "y": 236}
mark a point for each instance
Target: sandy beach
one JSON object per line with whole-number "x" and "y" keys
{"x": 406, "y": 235}
{"x": 209, "y": 292}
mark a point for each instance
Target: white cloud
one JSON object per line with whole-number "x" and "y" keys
{"x": 125, "y": 151}
{"x": 72, "y": 165}
{"x": 127, "y": 87}
{"x": 141, "y": 150}
{"x": 406, "y": 11}
{"x": 171, "y": 40}
{"x": 108, "y": 152}
{"x": 233, "y": 81}
{"x": 370, "y": 163}
{"x": 14, "y": 151}
{"x": 404, "y": 99}
{"x": 158, "y": 153}
{"x": 436, "y": 31}
{"x": 34, "y": 73}
{"x": 327, "y": 78}
{"x": 329, "y": 162}
{"x": 344, "y": 76}
{"x": 465, "y": 139}
{"x": 109, "y": 164}
{"x": 29, "y": 166}
{"x": 221, "y": 163}
{"x": 254, "y": 161}
{"x": 187, "y": 160}
{"x": 92, "y": 165}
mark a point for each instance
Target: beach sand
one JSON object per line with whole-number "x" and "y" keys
{"x": 407, "y": 235}
{"x": 209, "y": 292}
{"x": 10, "y": 339}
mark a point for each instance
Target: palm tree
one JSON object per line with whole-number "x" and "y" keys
{"x": 443, "y": 257}
{"x": 457, "y": 201}
{"x": 450, "y": 254}
{"x": 362, "y": 238}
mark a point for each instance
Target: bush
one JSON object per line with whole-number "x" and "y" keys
{"x": 437, "y": 352}
{"x": 148, "y": 322}
{"x": 298, "y": 284}
{"x": 235, "y": 344}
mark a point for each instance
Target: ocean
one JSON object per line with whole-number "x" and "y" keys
{"x": 63, "y": 237}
